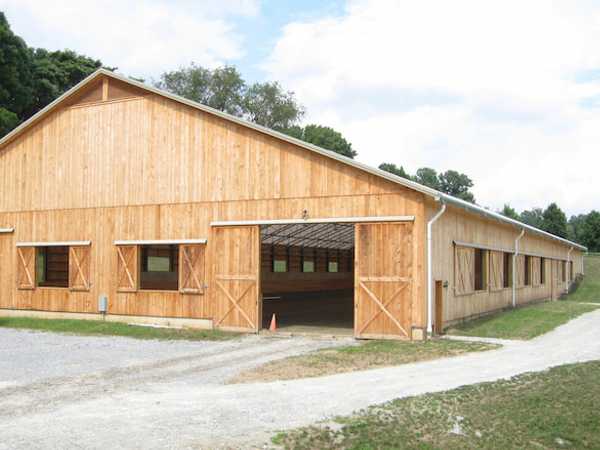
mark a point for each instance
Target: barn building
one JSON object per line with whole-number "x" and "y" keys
{"x": 176, "y": 213}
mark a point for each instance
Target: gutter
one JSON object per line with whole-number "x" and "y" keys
{"x": 429, "y": 268}
{"x": 514, "y": 268}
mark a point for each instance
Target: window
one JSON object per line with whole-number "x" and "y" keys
{"x": 527, "y": 271}
{"x": 279, "y": 265}
{"x": 52, "y": 267}
{"x": 507, "y": 264}
{"x": 571, "y": 270}
{"x": 332, "y": 266}
{"x": 308, "y": 266}
{"x": 159, "y": 267}
{"x": 542, "y": 270}
{"x": 481, "y": 272}
{"x": 563, "y": 271}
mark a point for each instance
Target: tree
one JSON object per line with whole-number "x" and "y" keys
{"x": 30, "y": 78}
{"x": 554, "y": 221}
{"x": 591, "y": 231}
{"x": 575, "y": 227}
{"x": 533, "y": 217}
{"x": 456, "y": 184}
{"x": 16, "y": 89}
{"x": 428, "y": 177}
{"x": 267, "y": 104}
{"x": 54, "y": 73}
{"x": 324, "y": 137}
{"x": 222, "y": 88}
{"x": 509, "y": 212}
{"x": 393, "y": 168}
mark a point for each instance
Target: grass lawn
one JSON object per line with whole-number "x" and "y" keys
{"x": 101, "y": 328}
{"x": 367, "y": 355}
{"x": 523, "y": 323}
{"x": 589, "y": 289}
{"x": 546, "y": 410}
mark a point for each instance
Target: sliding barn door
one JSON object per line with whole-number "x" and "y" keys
{"x": 383, "y": 280}
{"x": 236, "y": 277}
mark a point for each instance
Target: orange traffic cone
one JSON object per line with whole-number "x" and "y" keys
{"x": 273, "y": 326}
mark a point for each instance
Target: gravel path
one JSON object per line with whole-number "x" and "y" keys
{"x": 139, "y": 394}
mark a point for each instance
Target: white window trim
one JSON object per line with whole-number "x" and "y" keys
{"x": 367, "y": 219}
{"x": 55, "y": 244}
{"x": 162, "y": 242}
{"x": 6, "y": 230}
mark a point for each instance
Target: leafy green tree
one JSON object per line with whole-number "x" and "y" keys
{"x": 30, "y": 78}
{"x": 591, "y": 232}
{"x": 509, "y": 211}
{"x": 456, "y": 184}
{"x": 575, "y": 227}
{"x": 533, "y": 217}
{"x": 393, "y": 168}
{"x": 54, "y": 73}
{"x": 554, "y": 221}
{"x": 16, "y": 86}
{"x": 324, "y": 137}
{"x": 222, "y": 88}
{"x": 428, "y": 177}
{"x": 8, "y": 121}
{"x": 267, "y": 104}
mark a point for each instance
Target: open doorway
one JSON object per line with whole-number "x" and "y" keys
{"x": 307, "y": 277}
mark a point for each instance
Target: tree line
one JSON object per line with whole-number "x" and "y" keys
{"x": 31, "y": 78}
{"x": 582, "y": 228}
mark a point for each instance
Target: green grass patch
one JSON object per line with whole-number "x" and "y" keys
{"x": 547, "y": 410}
{"x": 366, "y": 355}
{"x": 523, "y": 323}
{"x": 101, "y": 328}
{"x": 589, "y": 288}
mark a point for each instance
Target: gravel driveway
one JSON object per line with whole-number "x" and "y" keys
{"x": 87, "y": 392}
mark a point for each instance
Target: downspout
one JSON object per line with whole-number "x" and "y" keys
{"x": 567, "y": 270}
{"x": 514, "y": 268}
{"x": 429, "y": 268}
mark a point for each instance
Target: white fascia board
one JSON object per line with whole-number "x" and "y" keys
{"x": 363, "y": 219}
{"x": 162, "y": 242}
{"x": 55, "y": 244}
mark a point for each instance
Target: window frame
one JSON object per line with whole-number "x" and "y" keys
{"x": 484, "y": 280}
{"x": 174, "y": 267}
{"x": 507, "y": 270}
{"x": 527, "y": 281}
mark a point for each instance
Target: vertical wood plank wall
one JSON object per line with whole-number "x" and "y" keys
{"x": 458, "y": 225}
{"x": 143, "y": 167}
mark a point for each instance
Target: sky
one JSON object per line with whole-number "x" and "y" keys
{"x": 507, "y": 92}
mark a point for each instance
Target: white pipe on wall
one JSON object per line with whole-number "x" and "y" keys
{"x": 514, "y": 268}
{"x": 429, "y": 268}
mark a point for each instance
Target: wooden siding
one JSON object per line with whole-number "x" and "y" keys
{"x": 151, "y": 150}
{"x": 102, "y": 226}
{"x": 460, "y": 226}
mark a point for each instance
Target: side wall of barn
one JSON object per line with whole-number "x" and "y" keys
{"x": 458, "y": 229}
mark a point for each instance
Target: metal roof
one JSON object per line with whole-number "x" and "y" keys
{"x": 436, "y": 195}
{"x": 318, "y": 235}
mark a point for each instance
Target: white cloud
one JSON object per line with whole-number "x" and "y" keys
{"x": 489, "y": 88}
{"x": 141, "y": 37}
